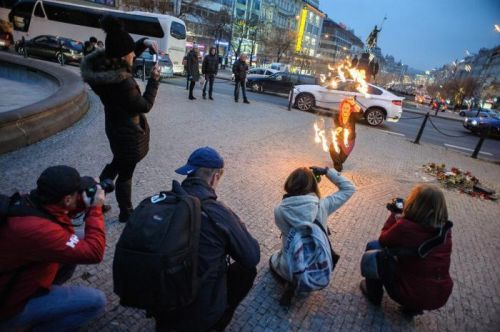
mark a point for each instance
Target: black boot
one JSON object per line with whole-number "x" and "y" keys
{"x": 246, "y": 101}
{"x": 124, "y": 198}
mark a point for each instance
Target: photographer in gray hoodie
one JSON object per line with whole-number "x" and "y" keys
{"x": 303, "y": 204}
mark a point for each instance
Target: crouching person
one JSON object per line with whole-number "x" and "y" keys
{"x": 39, "y": 251}
{"x": 411, "y": 258}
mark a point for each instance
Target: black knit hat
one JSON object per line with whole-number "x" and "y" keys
{"x": 58, "y": 181}
{"x": 118, "y": 41}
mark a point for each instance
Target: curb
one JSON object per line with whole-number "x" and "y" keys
{"x": 29, "y": 124}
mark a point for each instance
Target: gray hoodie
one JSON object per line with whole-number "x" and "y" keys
{"x": 298, "y": 210}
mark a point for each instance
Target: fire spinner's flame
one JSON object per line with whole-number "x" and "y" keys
{"x": 357, "y": 75}
{"x": 320, "y": 136}
{"x": 346, "y": 137}
{"x": 334, "y": 140}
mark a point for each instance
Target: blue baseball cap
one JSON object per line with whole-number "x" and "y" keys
{"x": 202, "y": 157}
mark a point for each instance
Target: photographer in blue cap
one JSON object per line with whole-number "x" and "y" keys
{"x": 226, "y": 248}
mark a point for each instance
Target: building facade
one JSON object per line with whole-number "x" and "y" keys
{"x": 337, "y": 42}
{"x": 309, "y": 29}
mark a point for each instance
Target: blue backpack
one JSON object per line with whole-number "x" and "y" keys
{"x": 310, "y": 258}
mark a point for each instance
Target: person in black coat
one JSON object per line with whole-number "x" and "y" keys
{"x": 209, "y": 68}
{"x": 240, "y": 69}
{"x": 193, "y": 69}
{"x": 222, "y": 235}
{"x": 109, "y": 73}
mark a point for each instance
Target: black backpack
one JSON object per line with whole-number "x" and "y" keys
{"x": 156, "y": 259}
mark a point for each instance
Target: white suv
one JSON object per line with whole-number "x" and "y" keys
{"x": 380, "y": 105}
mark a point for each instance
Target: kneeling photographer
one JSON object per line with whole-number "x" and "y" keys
{"x": 39, "y": 251}
{"x": 411, "y": 258}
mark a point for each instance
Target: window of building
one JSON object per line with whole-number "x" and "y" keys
{"x": 311, "y": 52}
{"x": 240, "y": 13}
{"x": 256, "y": 5}
{"x": 243, "y": 2}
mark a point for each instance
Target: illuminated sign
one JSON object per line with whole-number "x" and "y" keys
{"x": 302, "y": 27}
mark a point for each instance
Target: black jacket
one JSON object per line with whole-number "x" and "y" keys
{"x": 224, "y": 234}
{"x": 240, "y": 69}
{"x": 210, "y": 64}
{"x": 193, "y": 65}
{"x": 126, "y": 126}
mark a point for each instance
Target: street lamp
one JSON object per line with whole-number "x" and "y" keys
{"x": 497, "y": 28}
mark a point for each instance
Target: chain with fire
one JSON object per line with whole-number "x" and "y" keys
{"x": 339, "y": 145}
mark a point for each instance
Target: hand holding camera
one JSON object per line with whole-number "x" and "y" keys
{"x": 318, "y": 171}
{"x": 152, "y": 45}
{"x": 95, "y": 192}
{"x": 396, "y": 205}
{"x": 155, "y": 73}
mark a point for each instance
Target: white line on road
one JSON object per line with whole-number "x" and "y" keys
{"x": 392, "y": 133}
{"x": 466, "y": 149}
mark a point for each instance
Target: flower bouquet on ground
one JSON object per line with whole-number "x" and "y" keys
{"x": 458, "y": 179}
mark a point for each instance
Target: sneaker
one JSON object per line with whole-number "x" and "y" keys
{"x": 246, "y": 101}
{"x": 210, "y": 98}
{"x": 364, "y": 290}
{"x": 191, "y": 98}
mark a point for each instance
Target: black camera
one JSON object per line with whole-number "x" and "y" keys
{"x": 90, "y": 186}
{"x": 396, "y": 205}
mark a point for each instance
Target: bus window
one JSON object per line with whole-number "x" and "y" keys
{"x": 39, "y": 11}
{"x": 178, "y": 30}
{"x": 141, "y": 25}
{"x": 20, "y": 15}
{"x": 73, "y": 15}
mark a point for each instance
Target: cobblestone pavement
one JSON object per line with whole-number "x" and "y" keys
{"x": 262, "y": 144}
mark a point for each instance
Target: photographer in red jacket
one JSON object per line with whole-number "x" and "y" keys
{"x": 418, "y": 233}
{"x": 39, "y": 251}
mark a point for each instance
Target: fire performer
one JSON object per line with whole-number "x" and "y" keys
{"x": 344, "y": 134}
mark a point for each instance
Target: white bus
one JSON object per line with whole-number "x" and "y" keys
{"x": 32, "y": 18}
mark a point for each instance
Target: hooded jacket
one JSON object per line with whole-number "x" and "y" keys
{"x": 126, "y": 126}
{"x": 210, "y": 64}
{"x": 240, "y": 69}
{"x": 304, "y": 209}
{"x": 37, "y": 247}
{"x": 193, "y": 65}
{"x": 420, "y": 283}
{"x": 221, "y": 236}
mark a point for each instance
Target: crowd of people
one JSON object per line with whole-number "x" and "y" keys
{"x": 40, "y": 247}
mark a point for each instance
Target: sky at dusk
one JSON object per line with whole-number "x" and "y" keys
{"x": 422, "y": 33}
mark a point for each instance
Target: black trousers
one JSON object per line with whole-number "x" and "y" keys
{"x": 237, "y": 85}
{"x": 209, "y": 79}
{"x": 239, "y": 282}
{"x": 192, "y": 83}
{"x": 123, "y": 185}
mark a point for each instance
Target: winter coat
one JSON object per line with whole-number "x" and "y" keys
{"x": 421, "y": 283}
{"x": 39, "y": 246}
{"x": 240, "y": 69}
{"x": 299, "y": 210}
{"x": 193, "y": 65}
{"x": 126, "y": 126}
{"x": 223, "y": 235}
{"x": 210, "y": 64}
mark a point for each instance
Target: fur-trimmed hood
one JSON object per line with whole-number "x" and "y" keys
{"x": 96, "y": 68}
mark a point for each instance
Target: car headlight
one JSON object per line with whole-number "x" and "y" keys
{"x": 473, "y": 122}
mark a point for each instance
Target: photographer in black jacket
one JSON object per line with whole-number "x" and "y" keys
{"x": 209, "y": 68}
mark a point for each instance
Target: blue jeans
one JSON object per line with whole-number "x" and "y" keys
{"x": 63, "y": 308}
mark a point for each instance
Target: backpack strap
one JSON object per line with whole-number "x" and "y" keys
{"x": 335, "y": 256}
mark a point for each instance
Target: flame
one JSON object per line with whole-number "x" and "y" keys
{"x": 334, "y": 140}
{"x": 320, "y": 135}
{"x": 357, "y": 75}
{"x": 346, "y": 137}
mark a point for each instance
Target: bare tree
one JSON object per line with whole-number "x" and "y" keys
{"x": 278, "y": 42}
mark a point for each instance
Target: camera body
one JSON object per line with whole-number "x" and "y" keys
{"x": 396, "y": 205}
{"x": 90, "y": 186}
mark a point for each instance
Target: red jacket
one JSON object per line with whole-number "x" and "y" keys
{"x": 421, "y": 283}
{"x": 43, "y": 244}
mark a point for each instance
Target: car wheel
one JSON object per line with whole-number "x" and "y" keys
{"x": 374, "y": 116}
{"x": 305, "y": 102}
{"x": 256, "y": 87}
{"x": 60, "y": 58}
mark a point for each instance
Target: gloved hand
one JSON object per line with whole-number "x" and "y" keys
{"x": 317, "y": 171}
{"x": 152, "y": 45}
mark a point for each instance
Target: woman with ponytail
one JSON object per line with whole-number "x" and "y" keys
{"x": 108, "y": 71}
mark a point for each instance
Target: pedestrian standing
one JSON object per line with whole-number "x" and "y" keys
{"x": 193, "y": 69}
{"x": 240, "y": 69}
{"x": 109, "y": 73}
{"x": 209, "y": 68}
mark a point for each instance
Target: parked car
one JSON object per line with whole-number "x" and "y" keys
{"x": 488, "y": 125}
{"x": 166, "y": 66}
{"x": 474, "y": 113}
{"x": 280, "y": 82}
{"x": 50, "y": 47}
{"x": 6, "y": 40}
{"x": 258, "y": 72}
{"x": 378, "y": 106}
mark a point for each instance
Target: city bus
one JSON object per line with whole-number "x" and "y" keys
{"x": 31, "y": 18}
